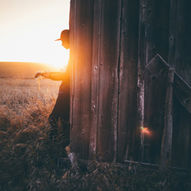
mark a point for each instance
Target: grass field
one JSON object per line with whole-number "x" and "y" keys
{"x": 24, "y": 109}
{"x": 28, "y": 159}
{"x": 22, "y": 70}
{"x": 26, "y": 101}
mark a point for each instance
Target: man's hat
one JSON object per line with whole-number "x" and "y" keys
{"x": 64, "y": 36}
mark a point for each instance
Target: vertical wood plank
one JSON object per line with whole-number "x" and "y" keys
{"x": 156, "y": 50}
{"x": 81, "y": 51}
{"x": 128, "y": 80}
{"x": 181, "y": 143}
{"x": 96, "y": 53}
{"x": 140, "y": 70}
{"x": 183, "y": 40}
{"x": 166, "y": 145}
{"x": 152, "y": 41}
{"x": 108, "y": 83}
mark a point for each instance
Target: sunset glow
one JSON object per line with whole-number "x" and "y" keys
{"x": 28, "y": 30}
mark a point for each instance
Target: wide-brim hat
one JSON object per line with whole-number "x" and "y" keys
{"x": 64, "y": 36}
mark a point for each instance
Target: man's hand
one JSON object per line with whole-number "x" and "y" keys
{"x": 38, "y": 74}
{"x": 43, "y": 74}
{"x": 57, "y": 76}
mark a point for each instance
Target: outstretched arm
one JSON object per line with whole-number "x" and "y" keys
{"x": 57, "y": 76}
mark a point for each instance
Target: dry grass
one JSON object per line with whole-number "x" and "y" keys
{"x": 23, "y": 104}
{"x": 24, "y": 110}
{"x": 28, "y": 160}
{"x": 22, "y": 69}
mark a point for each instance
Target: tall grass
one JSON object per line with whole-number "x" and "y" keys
{"x": 24, "y": 110}
{"x": 28, "y": 159}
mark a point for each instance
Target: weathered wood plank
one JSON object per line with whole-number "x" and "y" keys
{"x": 108, "y": 84}
{"x": 81, "y": 51}
{"x": 154, "y": 40}
{"x": 181, "y": 142}
{"x": 182, "y": 119}
{"x": 181, "y": 88}
{"x": 155, "y": 89}
{"x": 183, "y": 40}
{"x": 166, "y": 145}
{"x": 140, "y": 72}
{"x": 97, "y": 24}
{"x": 182, "y": 91}
{"x": 128, "y": 80}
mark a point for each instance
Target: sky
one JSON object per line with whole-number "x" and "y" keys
{"x": 28, "y": 29}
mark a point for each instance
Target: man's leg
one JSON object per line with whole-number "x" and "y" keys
{"x": 66, "y": 132}
{"x": 53, "y": 121}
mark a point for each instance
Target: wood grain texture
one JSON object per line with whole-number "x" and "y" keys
{"x": 121, "y": 52}
{"x": 128, "y": 81}
{"x": 108, "y": 82}
{"x": 81, "y": 51}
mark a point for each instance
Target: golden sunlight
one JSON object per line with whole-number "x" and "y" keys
{"x": 38, "y": 24}
{"x": 58, "y": 56}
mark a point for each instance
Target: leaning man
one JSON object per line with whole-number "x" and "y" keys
{"x": 61, "y": 111}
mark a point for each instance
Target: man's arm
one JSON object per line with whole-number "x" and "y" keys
{"x": 57, "y": 76}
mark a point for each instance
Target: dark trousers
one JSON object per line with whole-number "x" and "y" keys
{"x": 56, "y": 121}
{"x": 59, "y": 118}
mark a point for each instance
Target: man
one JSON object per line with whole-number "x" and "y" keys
{"x": 61, "y": 110}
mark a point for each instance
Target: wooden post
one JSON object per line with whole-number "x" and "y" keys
{"x": 166, "y": 145}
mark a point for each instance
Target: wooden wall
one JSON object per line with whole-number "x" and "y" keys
{"x": 121, "y": 52}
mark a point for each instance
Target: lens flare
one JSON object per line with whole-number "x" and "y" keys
{"x": 145, "y": 130}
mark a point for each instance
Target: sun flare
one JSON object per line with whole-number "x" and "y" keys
{"x": 37, "y": 27}
{"x": 58, "y": 57}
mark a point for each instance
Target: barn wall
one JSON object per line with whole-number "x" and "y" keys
{"x": 108, "y": 108}
{"x": 121, "y": 53}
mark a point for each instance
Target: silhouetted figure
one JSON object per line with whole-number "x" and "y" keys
{"x": 61, "y": 111}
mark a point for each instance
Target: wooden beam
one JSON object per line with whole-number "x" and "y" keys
{"x": 166, "y": 145}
